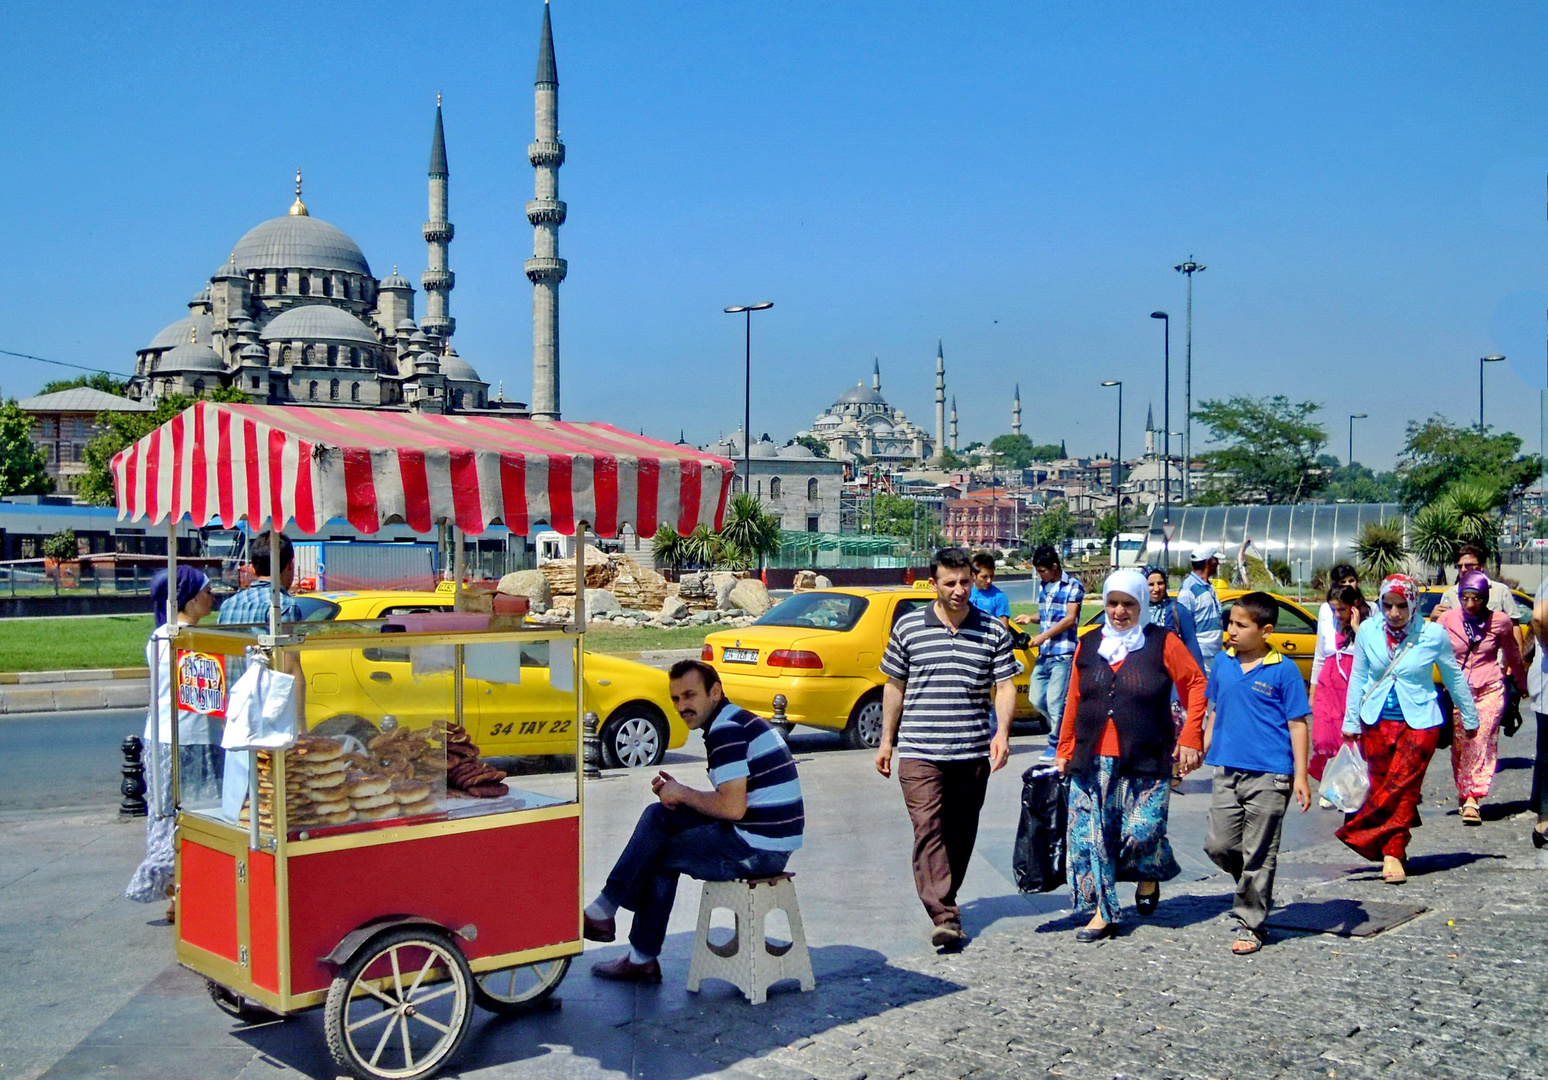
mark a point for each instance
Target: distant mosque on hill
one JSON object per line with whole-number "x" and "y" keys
{"x": 295, "y": 316}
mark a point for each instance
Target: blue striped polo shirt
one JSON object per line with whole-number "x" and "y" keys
{"x": 742, "y": 745}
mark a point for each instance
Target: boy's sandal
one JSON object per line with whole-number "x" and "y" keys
{"x": 1247, "y": 942}
{"x": 1471, "y": 816}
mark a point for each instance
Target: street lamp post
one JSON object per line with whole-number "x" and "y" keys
{"x": 748, "y": 309}
{"x": 1190, "y": 268}
{"x": 1118, "y": 468}
{"x": 1352, "y": 418}
{"x": 1166, "y": 424}
{"x": 1482, "y": 360}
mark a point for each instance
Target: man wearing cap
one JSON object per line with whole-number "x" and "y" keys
{"x": 1198, "y": 596}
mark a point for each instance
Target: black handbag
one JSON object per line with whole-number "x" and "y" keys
{"x": 1510, "y": 719}
{"x": 1038, "y": 864}
{"x": 1443, "y": 699}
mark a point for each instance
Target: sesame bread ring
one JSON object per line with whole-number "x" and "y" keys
{"x": 409, "y": 791}
{"x": 423, "y": 806}
{"x": 362, "y": 785}
{"x": 317, "y": 749}
{"x": 325, "y": 783}
{"x": 343, "y": 817}
{"x": 377, "y": 813}
{"x": 323, "y": 809}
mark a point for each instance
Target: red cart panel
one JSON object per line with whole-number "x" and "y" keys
{"x": 207, "y": 900}
{"x": 517, "y": 884}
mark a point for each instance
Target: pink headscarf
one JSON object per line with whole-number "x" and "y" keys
{"x": 1475, "y": 581}
{"x": 1407, "y": 588}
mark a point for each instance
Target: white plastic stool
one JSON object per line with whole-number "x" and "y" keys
{"x": 749, "y": 961}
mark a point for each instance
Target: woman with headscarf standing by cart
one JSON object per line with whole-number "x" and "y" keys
{"x": 1485, "y": 645}
{"x": 1117, "y": 745}
{"x": 1392, "y": 709}
{"x": 198, "y": 737}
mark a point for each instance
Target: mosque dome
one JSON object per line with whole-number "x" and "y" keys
{"x": 177, "y": 334}
{"x": 189, "y": 357}
{"x": 394, "y": 281}
{"x": 456, "y": 368}
{"x": 796, "y": 450}
{"x": 761, "y": 449}
{"x": 861, "y": 395}
{"x": 318, "y": 322}
{"x": 201, "y": 298}
{"x": 297, "y": 241}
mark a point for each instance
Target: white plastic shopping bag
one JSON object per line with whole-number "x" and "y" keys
{"x": 1346, "y": 780}
{"x": 261, "y": 711}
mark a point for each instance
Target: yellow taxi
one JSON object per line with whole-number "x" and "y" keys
{"x": 346, "y": 687}
{"x": 822, "y": 650}
{"x": 1295, "y": 628}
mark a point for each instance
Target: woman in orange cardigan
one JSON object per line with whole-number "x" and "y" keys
{"x": 1117, "y": 745}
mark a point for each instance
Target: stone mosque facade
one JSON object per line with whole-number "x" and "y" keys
{"x": 296, "y": 317}
{"x": 860, "y": 423}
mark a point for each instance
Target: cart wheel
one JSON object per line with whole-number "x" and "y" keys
{"x": 400, "y": 1008}
{"x": 514, "y": 990}
{"x": 234, "y": 1004}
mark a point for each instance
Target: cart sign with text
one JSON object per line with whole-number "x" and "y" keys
{"x": 201, "y": 683}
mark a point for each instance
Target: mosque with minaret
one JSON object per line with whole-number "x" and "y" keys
{"x": 294, "y": 315}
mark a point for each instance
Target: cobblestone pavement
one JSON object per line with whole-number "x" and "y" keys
{"x": 1459, "y": 991}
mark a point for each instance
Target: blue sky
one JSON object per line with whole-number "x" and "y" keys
{"x": 1364, "y": 182}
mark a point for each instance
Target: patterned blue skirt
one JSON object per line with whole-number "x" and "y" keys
{"x": 1117, "y": 833}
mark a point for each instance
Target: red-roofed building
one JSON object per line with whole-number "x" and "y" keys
{"x": 984, "y": 519}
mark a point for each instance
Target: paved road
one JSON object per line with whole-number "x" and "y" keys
{"x": 63, "y": 761}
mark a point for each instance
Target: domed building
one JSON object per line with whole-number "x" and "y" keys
{"x": 295, "y": 316}
{"x": 860, "y": 423}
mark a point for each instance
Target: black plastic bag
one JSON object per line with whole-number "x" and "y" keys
{"x": 1038, "y": 863}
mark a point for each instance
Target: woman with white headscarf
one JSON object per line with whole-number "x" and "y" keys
{"x": 1117, "y": 745}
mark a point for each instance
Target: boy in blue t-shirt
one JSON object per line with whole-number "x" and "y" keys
{"x": 987, "y": 596}
{"x": 1256, "y": 736}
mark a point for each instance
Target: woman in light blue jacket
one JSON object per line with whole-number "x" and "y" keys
{"x": 1392, "y": 709}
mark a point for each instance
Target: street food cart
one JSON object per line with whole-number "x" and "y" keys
{"x": 376, "y": 865}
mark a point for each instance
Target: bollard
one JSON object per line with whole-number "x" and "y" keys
{"x": 133, "y": 786}
{"x": 591, "y": 747}
{"x": 778, "y": 721}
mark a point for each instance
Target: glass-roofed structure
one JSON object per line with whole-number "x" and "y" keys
{"x": 1316, "y": 534}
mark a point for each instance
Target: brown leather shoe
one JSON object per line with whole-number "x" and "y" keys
{"x": 621, "y": 970}
{"x": 947, "y": 936}
{"x": 598, "y": 929}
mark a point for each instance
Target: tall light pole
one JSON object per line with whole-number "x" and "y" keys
{"x": 747, "y": 400}
{"x": 1482, "y": 360}
{"x": 1118, "y": 468}
{"x": 1166, "y": 420}
{"x": 1190, "y": 268}
{"x": 1352, "y": 418}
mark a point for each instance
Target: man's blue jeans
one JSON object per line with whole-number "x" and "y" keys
{"x": 667, "y": 843}
{"x": 1048, "y": 687}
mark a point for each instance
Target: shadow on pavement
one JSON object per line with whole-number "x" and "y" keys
{"x": 1419, "y": 865}
{"x": 979, "y": 915}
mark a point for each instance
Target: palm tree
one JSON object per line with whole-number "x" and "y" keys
{"x": 1434, "y": 533}
{"x": 750, "y": 529}
{"x": 1380, "y": 549}
{"x": 666, "y": 547}
{"x": 701, "y": 547}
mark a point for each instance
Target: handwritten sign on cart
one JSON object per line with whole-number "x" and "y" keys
{"x": 201, "y": 683}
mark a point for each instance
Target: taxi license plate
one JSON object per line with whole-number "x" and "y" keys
{"x": 740, "y": 656}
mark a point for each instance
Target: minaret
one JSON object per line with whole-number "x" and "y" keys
{"x": 876, "y": 375}
{"x": 546, "y": 213}
{"x": 940, "y": 399}
{"x": 1150, "y": 431}
{"x": 1016, "y": 412}
{"x": 438, "y": 279}
{"x": 954, "y": 423}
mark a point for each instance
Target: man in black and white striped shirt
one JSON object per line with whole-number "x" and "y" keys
{"x": 944, "y": 664}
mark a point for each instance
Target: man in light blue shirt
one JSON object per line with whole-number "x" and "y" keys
{"x": 1198, "y": 596}
{"x": 251, "y": 605}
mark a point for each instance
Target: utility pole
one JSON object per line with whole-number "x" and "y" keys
{"x": 1189, "y": 268}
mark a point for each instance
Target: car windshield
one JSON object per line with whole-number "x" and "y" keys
{"x": 1427, "y": 602}
{"x": 816, "y": 611}
{"x": 316, "y": 609}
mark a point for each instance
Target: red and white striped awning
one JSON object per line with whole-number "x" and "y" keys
{"x": 269, "y": 463}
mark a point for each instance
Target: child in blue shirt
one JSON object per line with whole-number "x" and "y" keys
{"x": 1257, "y": 737}
{"x": 987, "y": 596}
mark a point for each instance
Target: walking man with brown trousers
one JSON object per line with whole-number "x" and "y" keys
{"x": 946, "y": 710}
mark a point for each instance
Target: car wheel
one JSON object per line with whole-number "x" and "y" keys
{"x": 340, "y": 724}
{"x": 634, "y": 737}
{"x": 863, "y": 732}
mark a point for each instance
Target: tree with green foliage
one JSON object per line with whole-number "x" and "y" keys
{"x": 1466, "y": 513}
{"x": 1355, "y": 483}
{"x": 1380, "y": 550}
{"x": 749, "y": 529}
{"x": 1437, "y": 453}
{"x": 1018, "y": 451}
{"x": 116, "y": 430}
{"x": 1053, "y": 526}
{"x": 1268, "y": 450}
{"x": 895, "y": 515}
{"x": 23, "y": 468}
{"x": 108, "y": 384}
{"x": 1107, "y": 527}
{"x": 812, "y": 443}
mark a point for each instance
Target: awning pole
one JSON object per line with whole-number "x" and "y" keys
{"x": 275, "y": 539}
{"x": 458, "y": 567}
{"x": 578, "y": 617}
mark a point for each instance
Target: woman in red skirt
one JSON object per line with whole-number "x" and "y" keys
{"x": 1393, "y": 711}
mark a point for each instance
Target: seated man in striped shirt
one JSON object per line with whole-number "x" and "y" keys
{"x": 745, "y": 828}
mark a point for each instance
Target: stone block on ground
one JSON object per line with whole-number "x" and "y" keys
{"x": 723, "y": 588}
{"x": 805, "y": 580}
{"x": 673, "y": 608}
{"x": 600, "y": 602}
{"x": 561, "y": 574}
{"x": 750, "y": 596}
{"x": 636, "y": 586}
{"x": 533, "y": 584}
